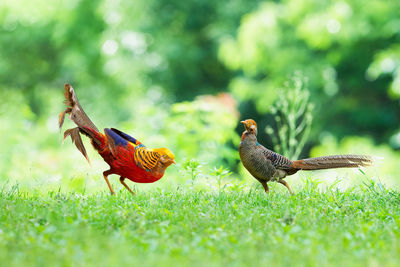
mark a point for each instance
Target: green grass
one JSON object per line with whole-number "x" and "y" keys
{"x": 200, "y": 227}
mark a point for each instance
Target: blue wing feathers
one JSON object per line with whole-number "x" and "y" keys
{"x": 126, "y": 136}
{"x": 117, "y": 139}
{"x": 121, "y": 138}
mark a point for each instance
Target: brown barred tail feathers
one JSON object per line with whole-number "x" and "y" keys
{"x": 77, "y": 140}
{"x": 79, "y": 117}
{"x": 75, "y": 111}
{"x": 330, "y": 162}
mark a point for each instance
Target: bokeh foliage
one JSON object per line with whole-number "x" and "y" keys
{"x": 348, "y": 49}
{"x": 293, "y": 117}
{"x": 142, "y": 66}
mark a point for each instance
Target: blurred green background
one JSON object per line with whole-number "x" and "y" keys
{"x": 181, "y": 74}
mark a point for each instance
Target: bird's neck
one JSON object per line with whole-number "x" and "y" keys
{"x": 248, "y": 138}
{"x": 158, "y": 170}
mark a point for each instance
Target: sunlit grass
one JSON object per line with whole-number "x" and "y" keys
{"x": 199, "y": 226}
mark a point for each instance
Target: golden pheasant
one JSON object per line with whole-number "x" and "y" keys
{"x": 126, "y": 156}
{"x": 266, "y": 165}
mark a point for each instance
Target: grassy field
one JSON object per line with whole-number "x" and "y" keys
{"x": 197, "y": 227}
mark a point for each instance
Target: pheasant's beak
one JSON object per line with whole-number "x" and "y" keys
{"x": 174, "y": 162}
{"x": 244, "y": 124}
{"x": 253, "y": 127}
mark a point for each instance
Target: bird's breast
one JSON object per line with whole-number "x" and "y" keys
{"x": 255, "y": 162}
{"x": 123, "y": 164}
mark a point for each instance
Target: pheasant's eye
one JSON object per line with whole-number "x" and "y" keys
{"x": 163, "y": 160}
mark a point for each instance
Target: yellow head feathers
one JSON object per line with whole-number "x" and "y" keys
{"x": 164, "y": 152}
{"x": 166, "y": 156}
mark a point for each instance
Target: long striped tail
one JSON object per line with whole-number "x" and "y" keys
{"x": 79, "y": 117}
{"x": 330, "y": 162}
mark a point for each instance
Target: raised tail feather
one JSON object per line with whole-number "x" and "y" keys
{"x": 79, "y": 117}
{"x": 330, "y": 162}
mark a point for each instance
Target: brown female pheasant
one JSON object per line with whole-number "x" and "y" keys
{"x": 266, "y": 165}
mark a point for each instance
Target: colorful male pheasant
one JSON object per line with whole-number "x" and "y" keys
{"x": 266, "y": 165}
{"x": 126, "y": 156}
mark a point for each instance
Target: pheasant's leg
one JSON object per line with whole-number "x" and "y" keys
{"x": 105, "y": 174}
{"x": 264, "y": 184}
{"x": 287, "y": 185}
{"x": 121, "y": 179}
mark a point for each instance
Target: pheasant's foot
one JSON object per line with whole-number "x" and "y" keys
{"x": 264, "y": 184}
{"x": 287, "y": 185}
{"x": 122, "y": 180}
{"x": 105, "y": 175}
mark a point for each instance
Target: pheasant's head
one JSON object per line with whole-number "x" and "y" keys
{"x": 250, "y": 125}
{"x": 166, "y": 156}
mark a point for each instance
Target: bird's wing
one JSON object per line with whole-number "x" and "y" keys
{"x": 119, "y": 141}
{"x": 126, "y": 137}
{"x": 279, "y": 161}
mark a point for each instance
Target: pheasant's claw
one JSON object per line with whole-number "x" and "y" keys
{"x": 105, "y": 175}
{"x": 286, "y": 185}
{"x": 122, "y": 180}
